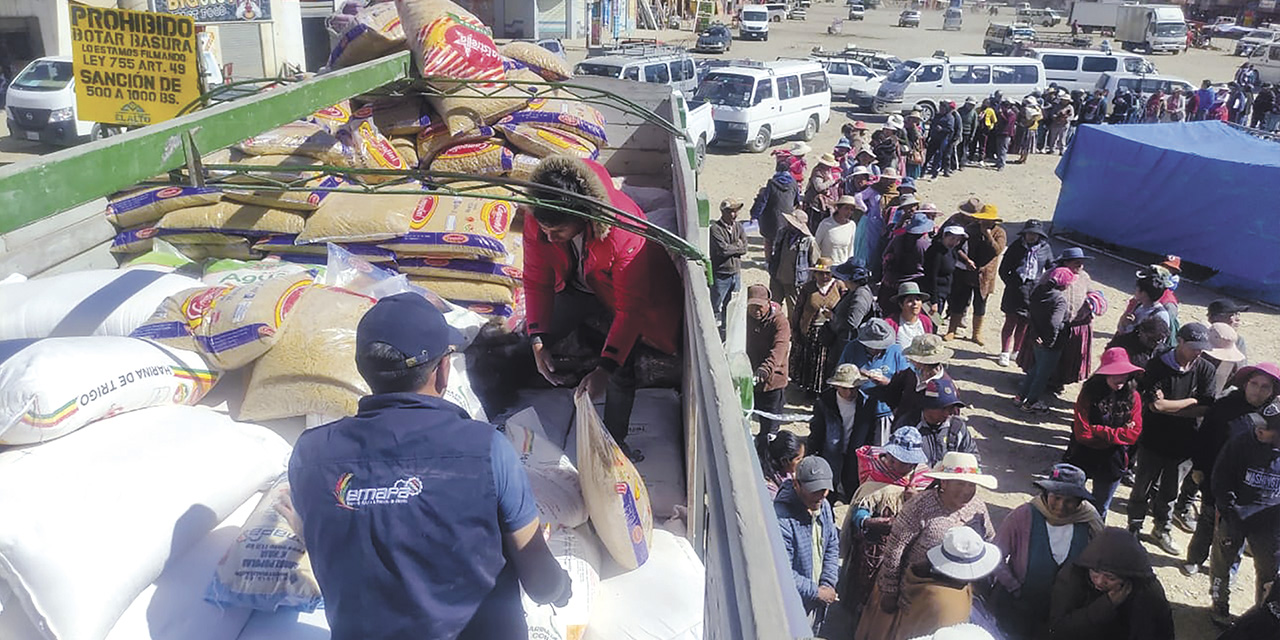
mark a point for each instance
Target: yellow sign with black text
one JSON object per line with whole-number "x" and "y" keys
{"x": 132, "y": 67}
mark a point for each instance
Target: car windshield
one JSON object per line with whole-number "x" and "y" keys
{"x": 903, "y": 71}
{"x": 44, "y": 75}
{"x": 755, "y": 16}
{"x": 725, "y": 89}
{"x": 1171, "y": 30}
{"x": 1259, "y": 34}
{"x": 596, "y": 69}
{"x": 1024, "y": 33}
{"x": 1138, "y": 65}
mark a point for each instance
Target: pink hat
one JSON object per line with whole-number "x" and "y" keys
{"x": 1062, "y": 276}
{"x": 1115, "y": 362}
{"x": 1242, "y": 376}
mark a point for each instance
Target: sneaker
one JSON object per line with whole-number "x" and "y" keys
{"x": 1004, "y": 360}
{"x": 1164, "y": 540}
{"x": 1189, "y": 569}
{"x": 1183, "y": 519}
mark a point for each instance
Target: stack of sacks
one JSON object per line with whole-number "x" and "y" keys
{"x": 134, "y": 214}
{"x": 372, "y": 32}
{"x": 78, "y": 559}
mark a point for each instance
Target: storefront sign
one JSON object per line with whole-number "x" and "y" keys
{"x": 132, "y": 67}
{"x": 216, "y": 10}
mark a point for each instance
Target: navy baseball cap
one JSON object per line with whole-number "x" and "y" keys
{"x": 412, "y": 325}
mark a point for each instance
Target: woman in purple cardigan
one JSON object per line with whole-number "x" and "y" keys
{"x": 1035, "y": 540}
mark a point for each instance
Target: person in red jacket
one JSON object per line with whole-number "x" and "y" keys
{"x": 1108, "y": 420}
{"x": 577, "y": 270}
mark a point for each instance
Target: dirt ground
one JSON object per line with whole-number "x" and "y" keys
{"x": 1015, "y": 447}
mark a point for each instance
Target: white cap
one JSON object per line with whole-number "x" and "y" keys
{"x": 955, "y": 230}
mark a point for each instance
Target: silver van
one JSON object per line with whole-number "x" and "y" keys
{"x": 1081, "y": 68}
{"x": 660, "y": 65}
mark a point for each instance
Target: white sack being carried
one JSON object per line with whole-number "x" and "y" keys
{"x": 616, "y": 496}
{"x": 104, "y": 302}
{"x": 553, "y": 478}
{"x": 579, "y": 553}
{"x": 266, "y": 567}
{"x": 662, "y": 600}
{"x": 91, "y": 519}
{"x": 58, "y": 385}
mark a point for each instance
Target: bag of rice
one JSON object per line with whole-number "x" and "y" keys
{"x": 241, "y": 272}
{"x": 522, "y": 166}
{"x": 434, "y": 224}
{"x": 58, "y": 385}
{"x": 267, "y": 567}
{"x": 465, "y": 108}
{"x": 404, "y": 116}
{"x": 487, "y": 158}
{"x": 552, "y": 476}
{"x": 542, "y": 142}
{"x": 435, "y": 138}
{"x": 151, "y": 205}
{"x": 282, "y": 168}
{"x": 136, "y": 240}
{"x": 539, "y": 60}
{"x": 104, "y": 302}
{"x": 449, "y": 42}
{"x": 461, "y": 269}
{"x": 232, "y": 218}
{"x": 230, "y": 325}
{"x": 312, "y": 367}
{"x": 616, "y": 496}
{"x": 360, "y": 217}
{"x": 376, "y": 31}
{"x": 232, "y": 249}
{"x": 407, "y": 147}
{"x": 578, "y": 551}
{"x": 284, "y": 246}
{"x": 371, "y": 149}
{"x": 466, "y": 292}
{"x": 574, "y": 116}
{"x": 298, "y": 139}
{"x": 331, "y": 118}
{"x": 291, "y": 200}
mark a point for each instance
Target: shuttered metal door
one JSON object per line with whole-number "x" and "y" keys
{"x": 242, "y": 47}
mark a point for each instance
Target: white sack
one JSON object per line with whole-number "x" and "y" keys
{"x": 661, "y": 600}
{"x": 553, "y": 478}
{"x": 32, "y": 309}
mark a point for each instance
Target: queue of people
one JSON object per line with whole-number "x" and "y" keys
{"x": 859, "y": 324}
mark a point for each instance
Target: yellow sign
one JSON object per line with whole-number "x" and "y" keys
{"x": 132, "y": 67}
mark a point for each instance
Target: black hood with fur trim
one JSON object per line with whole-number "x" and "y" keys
{"x": 585, "y": 177}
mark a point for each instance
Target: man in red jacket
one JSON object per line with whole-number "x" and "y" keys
{"x": 577, "y": 270}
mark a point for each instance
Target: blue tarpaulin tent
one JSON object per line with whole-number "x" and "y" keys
{"x": 1202, "y": 190}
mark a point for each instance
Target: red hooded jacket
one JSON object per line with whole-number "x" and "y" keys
{"x": 632, "y": 277}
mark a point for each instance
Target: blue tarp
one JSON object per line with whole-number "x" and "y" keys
{"x": 1205, "y": 191}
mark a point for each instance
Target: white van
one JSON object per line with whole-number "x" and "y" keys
{"x": 1081, "y": 68}
{"x": 755, "y": 103}
{"x": 953, "y": 19}
{"x": 657, "y": 65}
{"x": 41, "y": 105}
{"x": 1266, "y": 59}
{"x": 753, "y": 23}
{"x": 778, "y": 11}
{"x": 924, "y": 82}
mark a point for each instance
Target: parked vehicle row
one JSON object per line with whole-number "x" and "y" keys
{"x": 922, "y": 83}
{"x": 756, "y": 103}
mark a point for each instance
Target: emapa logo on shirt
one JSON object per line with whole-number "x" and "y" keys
{"x": 352, "y": 498}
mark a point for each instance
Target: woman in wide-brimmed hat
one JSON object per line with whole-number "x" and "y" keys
{"x": 823, "y": 189}
{"x": 816, "y": 301}
{"x": 1027, "y": 259}
{"x": 950, "y": 501}
{"x": 887, "y": 476}
{"x": 905, "y": 393}
{"x": 909, "y": 319}
{"x": 977, "y": 264}
{"x": 795, "y": 252}
{"x": 1107, "y": 422}
{"x": 1035, "y": 540}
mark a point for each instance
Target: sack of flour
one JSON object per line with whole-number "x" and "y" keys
{"x": 578, "y": 552}
{"x": 616, "y": 496}
{"x": 552, "y": 476}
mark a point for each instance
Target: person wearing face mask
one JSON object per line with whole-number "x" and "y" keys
{"x": 1110, "y": 592}
{"x": 950, "y": 501}
{"x": 906, "y": 389}
{"x": 832, "y": 427}
{"x": 888, "y": 476}
{"x": 1107, "y": 421}
{"x": 1035, "y": 540}
{"x": 810, "y": 537}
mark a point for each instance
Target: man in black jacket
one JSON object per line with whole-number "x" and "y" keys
{"x": 1246, "y": 487}
{"x": 941, "y": 128}
{"x": 781, "y": 194}
{"x": 1049, "y": 313}
{"x": 1177, "y": 389}
{"x": 728, "y": 245}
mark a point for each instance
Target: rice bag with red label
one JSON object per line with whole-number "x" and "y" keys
{"x": 487, "y": 158}
{"x": 302, "y": 201}
{"x": 375, "y": 32}
{"x": 401, "y": 116}
{"x": 436, "y": 138}
{"x": 150, "y": 205}
{"x": 298, "y": 139}
{"x": 232, "y": 218}
{"x": 573, "y": 116}
{"x": 545, "y": 142}
{"x": 466, "y": 292}
{"x": 332, "y": 118}
{"x": 372, "y": 150}
{"x": 462, "y": 269}
{"x": 539, "y": 60}
{"x": 136, "y": 240}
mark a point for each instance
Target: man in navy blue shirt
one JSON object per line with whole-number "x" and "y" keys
{"x": 420, "y": 523}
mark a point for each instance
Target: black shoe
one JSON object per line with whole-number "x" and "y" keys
{"x": 1220, "y": 616}
{"x": 1163, "y": 539}
{"x": 1127, "y": 479}
{"x": 1183, "y": 519}
{"x": 1136, "y": 529}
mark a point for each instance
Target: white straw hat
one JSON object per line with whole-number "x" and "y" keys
{"x": 964, "y": 555}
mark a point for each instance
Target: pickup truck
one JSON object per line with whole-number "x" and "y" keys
{"x": 749, "y": 592}
{"x": 700, "y": 128}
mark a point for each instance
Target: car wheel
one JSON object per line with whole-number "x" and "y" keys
{"x": 700, "y": 152}
{"x": 102, "y": 131}
{"x": 761, "y": 141}
{"x": 810, "y": 129}
{"x": 926, "y": 111}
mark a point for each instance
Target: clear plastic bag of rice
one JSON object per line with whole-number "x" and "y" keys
{"x": 371, "y": 149}
{"x": 541, "y": 142}
{"x": 539, "y": 60}
{"x": 312, "y": 366}
{"x": 298, "y": 139}
{"x": 487, "y": 158}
